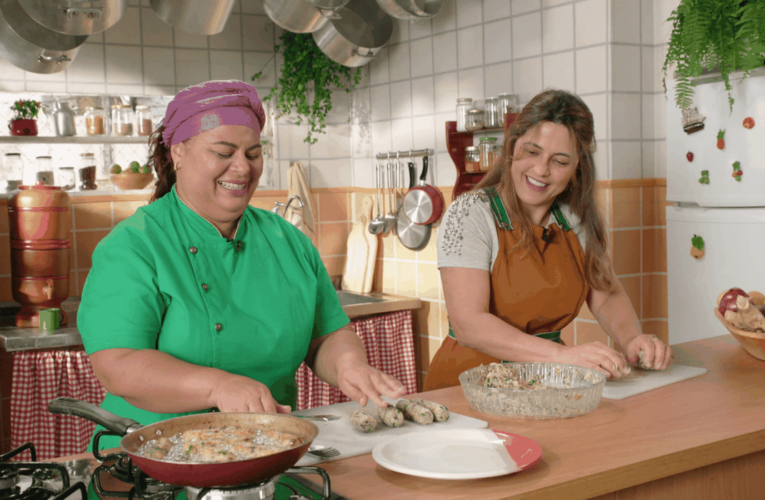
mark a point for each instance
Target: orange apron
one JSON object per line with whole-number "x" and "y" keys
{"x": 538, "y": 293}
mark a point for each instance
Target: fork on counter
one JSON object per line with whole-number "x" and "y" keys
{"x": 320, "y": 418}
{"x": 323, "y": 451}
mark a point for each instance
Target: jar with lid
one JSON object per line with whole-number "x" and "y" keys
{"x": 463, "y": 105}
{"x": 491, "y": 113}
{"x": 474, "y": 119}
{"x": 507, "y": 104}
{"x": 13, "y": 167}
{"x": 66, "y": 178}
{"x": 44, "y": 172}
{"x": 143, "y": 120}
{"x": 95, "y": 121}
{"x": 472, "y": 159}
{"x": 122, "y": 119}
{"x": 88, "y": 172}
{"x": 487, "y": 152}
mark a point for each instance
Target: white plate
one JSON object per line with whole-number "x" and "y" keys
{"x": 456, "y": 454}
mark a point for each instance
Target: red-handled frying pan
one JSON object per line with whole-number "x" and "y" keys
{"x": 424, "y": 204}
{"x": 200, "y": 475}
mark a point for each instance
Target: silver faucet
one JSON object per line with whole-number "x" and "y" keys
{"x": 278, "y": 205}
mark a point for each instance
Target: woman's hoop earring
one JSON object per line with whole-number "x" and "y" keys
{"x": 177, "y": 167}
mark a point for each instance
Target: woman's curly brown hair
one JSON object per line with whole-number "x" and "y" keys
{"x": 159, "y": 159}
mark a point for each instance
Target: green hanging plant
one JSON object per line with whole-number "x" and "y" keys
{"x": 307, "y": 68}
{"x": 728, "y": 35}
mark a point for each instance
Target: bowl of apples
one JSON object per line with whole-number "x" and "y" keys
{"x": 742, "y": 314}
{"x": 134, "y": 176}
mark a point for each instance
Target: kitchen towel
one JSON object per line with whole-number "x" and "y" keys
{"x": 389, "y": 344}
{"x": 38, "y": 377}
{"x": 302, "y": 218}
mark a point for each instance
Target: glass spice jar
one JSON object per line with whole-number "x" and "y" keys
{"x": 507, "y": 104}
{"x": 491, "y": 113}
{"x": 487, "y": 152}
{"x": 474, "y": 119}
{"x": 44, "y": 172}
{"x": 122, "y": 120}
{"x": 13, "y": 166}
{"x": 95, "y": 121}
{"x": 66, "y": 178}
{"x": 143, "y": 120}
{"x": 472, "y": 159}
{"x": 463, "y": 105}
{"x": 88, "y": 172}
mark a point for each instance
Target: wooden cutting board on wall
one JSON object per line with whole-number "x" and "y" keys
{"x": 357, "y": 256}
{"x": 371, "y": 239}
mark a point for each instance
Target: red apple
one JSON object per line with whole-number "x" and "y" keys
{"x": 727, "y": 300}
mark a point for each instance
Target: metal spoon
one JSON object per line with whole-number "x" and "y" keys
{"x": 377, "y": 225}
{"x": 390, "y": 217}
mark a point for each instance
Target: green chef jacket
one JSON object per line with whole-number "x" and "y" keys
{"x": 166, "y": 279}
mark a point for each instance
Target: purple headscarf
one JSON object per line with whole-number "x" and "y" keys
{"x": 199, "y": 108}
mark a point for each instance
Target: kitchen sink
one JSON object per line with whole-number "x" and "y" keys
{"x": 350, "y": 298}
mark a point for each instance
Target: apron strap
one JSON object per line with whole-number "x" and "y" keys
{"x": 498, "y": 209}
{"x": 559, "y": 217}
{"x": 553, "y": 336}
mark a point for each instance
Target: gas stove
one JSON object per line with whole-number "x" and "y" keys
{"x": 118, "y": 477}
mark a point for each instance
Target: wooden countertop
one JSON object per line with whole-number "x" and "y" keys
{"x": 622, "y": 443}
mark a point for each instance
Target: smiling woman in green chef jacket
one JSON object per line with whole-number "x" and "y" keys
{"x": 199, "y": 300}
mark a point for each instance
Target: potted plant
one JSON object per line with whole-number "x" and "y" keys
{"x": 24, "y": 117}
{"x": 714, "y": 35}
{"x": 307, "y": 68}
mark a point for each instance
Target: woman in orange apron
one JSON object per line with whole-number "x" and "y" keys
{"x": 520, "y": 254}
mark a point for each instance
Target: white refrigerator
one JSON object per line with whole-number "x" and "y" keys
{"x": 726, "y": 212}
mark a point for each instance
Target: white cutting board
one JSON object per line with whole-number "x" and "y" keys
{"x": 341, "y": 434}
{"x": 357, "y": 257}
{"x": 646, "y": 380}
{"x": 371, "y": 239}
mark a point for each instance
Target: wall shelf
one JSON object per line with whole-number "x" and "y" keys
{"x": 76, "y": 139}
{"x": 456, "y": 142}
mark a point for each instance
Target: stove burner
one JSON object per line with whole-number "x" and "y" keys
{"x": 24, "y": 480}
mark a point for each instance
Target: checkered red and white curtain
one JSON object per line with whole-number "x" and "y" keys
{"x": 389, "y": 343}
{"x": 38, "y": 377}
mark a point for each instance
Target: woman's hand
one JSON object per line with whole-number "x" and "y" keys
{"x": 361, "y": 382}
{"x": 243, "y": 394}
{"x": 657, "y": 355}
{"x": 595, "y": 355}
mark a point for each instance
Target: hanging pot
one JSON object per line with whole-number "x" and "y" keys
{"x": 207, "y": 17}
{"x": 31, "y": 46}
{"x": 410, "y": 10}
{"x": 75, "y": 17}
{"x": 354, "y": 39}
{"x": 302, "y": 16}
{"x": 424, "y": 203}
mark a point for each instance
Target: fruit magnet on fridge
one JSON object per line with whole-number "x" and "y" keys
{"x": 737, "y": 172}
{"x": 704, "y": 177}
{"x": 748, "y": 122}
{"x": 697, "y": 247}
{"x": 692, "y": 120}
{"x": 689, "y": 156}
{"x": 721, "y": 139}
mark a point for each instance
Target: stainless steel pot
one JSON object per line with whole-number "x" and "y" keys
{"x": 31, "y": 46}
{"x": 354, "y": 39}
{"x": 302, "y": 16}
{"x": 75, "y": 17}
{"x": 194, "y": 16}
{"x": 410, "y": 10}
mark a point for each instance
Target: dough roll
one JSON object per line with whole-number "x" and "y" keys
{"x": 440, "y": 413}
{"x": 415, "y": 412}
{"x": 363, "y": 420}
{"x": 391, "y": 416}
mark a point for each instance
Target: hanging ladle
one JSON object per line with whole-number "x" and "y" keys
{"x": 377, "y": 225}
{"x": 390, "y": 217}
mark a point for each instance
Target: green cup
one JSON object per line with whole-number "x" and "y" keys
{"x": 49, "y": 319}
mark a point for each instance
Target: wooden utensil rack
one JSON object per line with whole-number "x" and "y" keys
{"x": 412, "y": 153}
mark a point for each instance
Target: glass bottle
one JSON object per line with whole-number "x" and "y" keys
{"x": 507, "y": 104}
{"x": 66, "y": 178}
{"x": 463, "y": 105}
{"x": 13, "y": 167}
{"x": 143, "y": 120}
{"x": 487, "y": 152}
{"x": 88, "y": 172}
{"x": 44, "y": 172}
{"x": 491, "y": 113}
{"x": 122, "y": 120}
{"x": 474, "y": 119}
{"x": 472, "y": 159}
{"x": 95, "y": 121}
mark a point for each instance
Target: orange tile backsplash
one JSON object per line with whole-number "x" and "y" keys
{"x": 639, "y": 254}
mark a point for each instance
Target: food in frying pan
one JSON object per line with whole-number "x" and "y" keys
{"x": 391, "y": 416}
{"x": 224, "y": 444}
{"x": 363, "y": 420}
{"x": 440, "y": 413}
{"x": 415, "y": 412}
{"x": 502, "y": 376}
